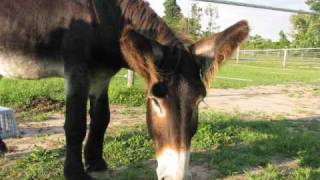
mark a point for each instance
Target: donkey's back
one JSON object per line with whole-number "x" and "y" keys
{"x": 32, "y": 34}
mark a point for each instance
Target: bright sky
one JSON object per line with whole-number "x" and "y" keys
{"x": 263, "y": 22}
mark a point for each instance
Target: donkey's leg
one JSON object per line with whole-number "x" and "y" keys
{"x": 75, "y": 125}
{"x": 100, "y": 118}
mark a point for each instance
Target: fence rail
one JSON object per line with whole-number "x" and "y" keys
{"x": 299, "y": 58}
{"x": 307, "y": 58}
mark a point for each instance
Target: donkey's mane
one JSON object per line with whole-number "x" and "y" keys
{"x": 147, "y": 22}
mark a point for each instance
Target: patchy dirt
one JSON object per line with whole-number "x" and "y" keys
{"x": 42, "y": 105}
{"x": 289, "y": 101}
{"x": 42, "y": 108}
{"x": 202, "y": 171}
{"x": 50, "y": 134}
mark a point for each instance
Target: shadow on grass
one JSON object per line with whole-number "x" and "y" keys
{"x": 232, "y": 145}
{"x": 235, "y": 145}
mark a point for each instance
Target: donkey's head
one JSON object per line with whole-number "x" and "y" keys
{"x": 176, "y": 83}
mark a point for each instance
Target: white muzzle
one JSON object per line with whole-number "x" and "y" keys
{"x": 173, "y": 165}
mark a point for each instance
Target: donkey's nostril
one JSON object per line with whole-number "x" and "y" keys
{"x": 168, "y": 178}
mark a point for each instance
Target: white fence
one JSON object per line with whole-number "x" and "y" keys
{"x": 297, "y": 58}
{"x": 306, "y": 58}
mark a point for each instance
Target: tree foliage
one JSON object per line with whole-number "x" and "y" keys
{"x": 314, "y": 4}
{"x": 258, "y": 42}
{"x": 283, "y": 41}
{"x": 195, "y": 20}
{"x": 183, "y": 25}
{"x": 212, "y": 15}
{"x": 172, "y": 12}
{"x": 307, "y": 27}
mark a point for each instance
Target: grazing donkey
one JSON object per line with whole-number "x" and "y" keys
{"x": 87, "y": 42}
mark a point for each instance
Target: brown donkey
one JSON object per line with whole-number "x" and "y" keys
{"x": 87, "y": 42}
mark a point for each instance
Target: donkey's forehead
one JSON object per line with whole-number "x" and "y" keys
{"x": 186, "y": 86}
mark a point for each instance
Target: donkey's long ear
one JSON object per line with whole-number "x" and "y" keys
{"x": 214, "y": 50}
{"x": 141, "y": 54}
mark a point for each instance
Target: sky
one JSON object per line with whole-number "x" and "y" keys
{"x": 266, "y": 23}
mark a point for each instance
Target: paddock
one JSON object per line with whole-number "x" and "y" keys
{"x": 260, "y": 120}
{"x": 268, "y": 125}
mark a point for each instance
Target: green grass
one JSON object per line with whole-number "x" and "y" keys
{"x": 274, "y": 172}
{"x": 21, "y": 92}
{"x": 30, "y": 97}
{"x": 316, "y": 91}
{"x": 230, "y": 145}
{"x": 276, "y": 61}
{"x": 262, "y": 73}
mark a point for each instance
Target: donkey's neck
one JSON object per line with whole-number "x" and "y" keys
{"x": 144, "y": 20}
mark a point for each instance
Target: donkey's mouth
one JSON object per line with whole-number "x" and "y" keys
{"x": 173, "y": 165}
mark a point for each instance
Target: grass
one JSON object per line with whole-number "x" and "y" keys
{"x": 230, "y": 145}
{"x": 262, "y": 73}
{"x": 30, "y": 97}
{"x": 23, "y": 95}
{"x": 20, "y": 92}
{"x": 276, "y": 61}
{"x": 274, "y": 172}
{"x": 316, "y": 91}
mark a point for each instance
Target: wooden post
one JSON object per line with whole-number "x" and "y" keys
{"x": 285, "y": 58}
{"x": 130, "y": 78}
{"x": 238, "y": 55}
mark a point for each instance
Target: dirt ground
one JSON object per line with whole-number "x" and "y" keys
{"x": 288, "y": 101}
{"x": 50, "y": 134}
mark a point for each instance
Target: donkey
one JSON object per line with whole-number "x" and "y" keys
{"x": 89, "y": 41}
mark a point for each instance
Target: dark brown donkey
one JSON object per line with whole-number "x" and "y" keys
{"x": 87, "y": 43}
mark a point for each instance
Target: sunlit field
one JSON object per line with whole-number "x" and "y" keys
{"x": 225, "y": 145}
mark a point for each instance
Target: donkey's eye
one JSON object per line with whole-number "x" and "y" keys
{"x": 159, "y": 90}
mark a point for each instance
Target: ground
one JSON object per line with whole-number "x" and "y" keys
{"x": 292, "y": 102}
{"x": 49, "y": 134}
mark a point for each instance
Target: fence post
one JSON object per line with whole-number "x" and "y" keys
{"x": 285, "y": 58}
{"x": 130, "y": 78}
{"x": 238, "y": 55}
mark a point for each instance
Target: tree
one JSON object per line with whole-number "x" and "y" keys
{"x": 314, "y": 4}
{"x": 195, "y": 20}
{"x": 306, "y": 31}
{"x": 283, "y": 41}
{"x": 212, "y": 14}
{"x": 172, "y": 13}
{"x": 258, "y": 42}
